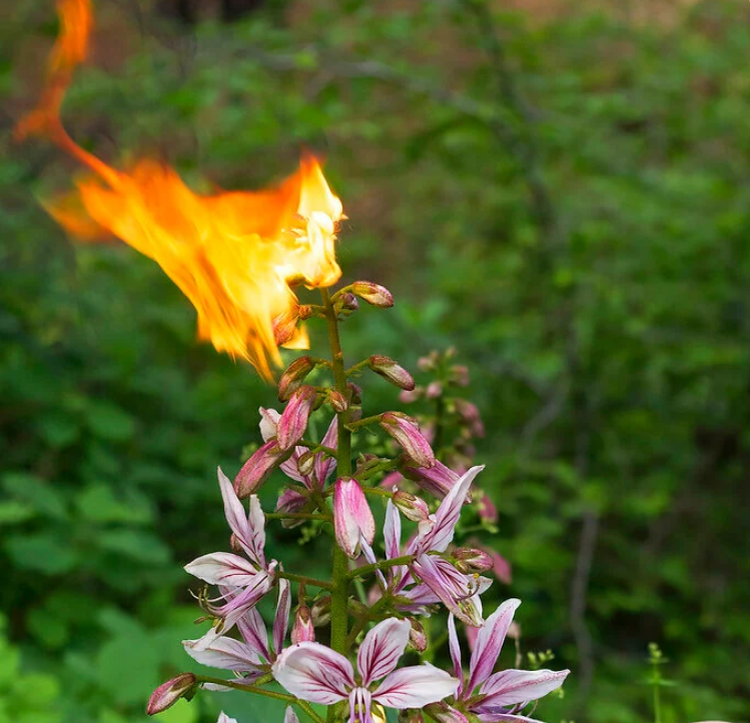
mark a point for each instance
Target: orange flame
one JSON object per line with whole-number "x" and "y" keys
{"x": 233, "y": 254}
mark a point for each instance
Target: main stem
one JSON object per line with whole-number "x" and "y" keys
{"x": 340, "y": 581}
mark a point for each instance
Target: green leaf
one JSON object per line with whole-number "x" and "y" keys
{"x": 109, "y": 422}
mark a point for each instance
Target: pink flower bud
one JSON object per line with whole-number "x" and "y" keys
{"x": 167, "y": 694}
{"x": 414, "y": 508}
{"x": 303, "y": 630}
{"x": 469, "y": 560}
{"x": 349, "y": 302}
{"x": 406, "y": 432}
{"x": 409, "y": 396}
{"x": 434, "y": 390}
{"x": 257, "y": 469}
{"x": 338, "y": 402}
{"x": 428, "y": 363}
{"x": 438, "y": 480}
{"x": 459, "y": 375}
{"x": 410, "y": 715}
{"x": 486, "y": 507}
{"x": 352, "y": 517}
{"x": 285, "y": 327}
{"x": 293, "y": 421}
{"x": 470, "y": 414}
{"x": 292, "y": 378}
{"x": 373, "y": 294}
{"x": 391, "y": 371}
{"x": 417, "y": 636}
{"x": 321, "y": 611}
{"x": 355, "y": 392}
{"x": 391, "y": 481}
{"x": 443, "y": 713}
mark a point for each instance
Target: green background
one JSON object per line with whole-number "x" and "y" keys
{"x": 561, "y": 192}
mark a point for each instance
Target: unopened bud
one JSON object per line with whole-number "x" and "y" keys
{"x": 257, "y": 469}
{"x": 469, "y": 560}
{"x": 434, "y": 390}
{"x": 486, "y": 508}
{"x": 293, "y": 421}
{"x": 305, "y": 311}
{"x": 459, "y": 375}
{"x": 320, "y": 612}
{"x": 338, "y": 402}
{"x": 373, "y": 293}
{"x": 284, "y": 327}
{"x": 306, "y": 463}
{"x": 408, "y": 396}
{"x": 391, "y": 371}
{"x": 349, "y": 302}
{"x": 470, "y": 414}
{"x": 355, "y": 392}
{"x": 417, "y": 636}
{"x": 406, "y": 432}
{"x": 352, "y": 517}
{"x": 167, "y": 694}
{"x": 428, "y": 363}
{"x": 414, "y": 508}
{"x": 303, "y": 630}
{"x": 291, "y": 380}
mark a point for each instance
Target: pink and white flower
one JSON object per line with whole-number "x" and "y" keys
{"x": 352, "y": 517}
{"x": 242, "y": 582}
{"x": 318, "y": 674}
{"x": 497, "y": 697}
{"x": 251, "y": 656}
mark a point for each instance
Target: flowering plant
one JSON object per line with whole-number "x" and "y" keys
{"x": 326, "y": 484}
{"x": 238, "y": 257}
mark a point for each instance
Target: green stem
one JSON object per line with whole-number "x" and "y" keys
{"x": 362, "y": 622}
{"x": 382, "y": 565}
{"x": 304, "y": 580}
{"x": 340, "y": 589}
{"x": 364, "y": 422}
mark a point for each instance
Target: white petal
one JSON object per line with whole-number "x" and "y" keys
{"x": 490, "y": 642}
{"x": 315, "y": 673}
{"x": 415, "y": 687}
{"x": 224, "y": 718}
{"x": 381, "y": 649}
{"x": 223, "y": 652}
{"x": 520, "y": 686}
{"x": 290, "y": 716}
{"x": 222, "y": 568}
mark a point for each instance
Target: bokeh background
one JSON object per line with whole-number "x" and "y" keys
{"x": 560, "y": 190}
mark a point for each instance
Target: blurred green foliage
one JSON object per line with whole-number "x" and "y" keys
{"x": 567, "y": 202}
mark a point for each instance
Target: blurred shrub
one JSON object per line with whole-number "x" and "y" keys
{"x": 567, "y": 203}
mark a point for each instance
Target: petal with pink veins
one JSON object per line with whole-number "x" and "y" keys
{"x": 382, "y": 647}
{"x": 223, "y": 568}
{"x": 509, "y": 687}
{"x": 314, "y": 673}
{"x": 490, "y": 642}
{"x": 281, "y": 621}
{"x": 415, "y": 687}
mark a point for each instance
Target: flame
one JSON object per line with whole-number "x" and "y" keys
{"x": 235, "y": 255}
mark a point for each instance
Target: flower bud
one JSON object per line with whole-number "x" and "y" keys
{"x": 469, "y": 560}
{"x": 438, "y": 480}
{"x": 305, "y": 311}
{"x": 349, "y": 302}
{"x": 285, "y": 327}
{"x": 355, "y": 392}
{"x": 321, "y": 611}
{"x": 338, "y": 402}
{"x": 459, "y": 376}
{"x": 352, "y": 517}
{"x": 306, "y": 463}
{"x": 391, "y": 371}
{"x": 292, "y": 378}
{"x": 373, "y": 294}
{"x": 434, "y": 390}
{"x": 417, "y": 636}
{"x": 486, "y": 507}
{"x": 414, "y": 508}
{"x": 293, "y": 421}
{"x": 167, "y": 694}
{"x": 406, "y": 432}
{"x": 303, "y": 630}
{"x": 428, "y": 363}
{"x": 257, "y": 469}
{"x": 443, "y": 713}
{"x": 409, "y": 396}
{"x": 470, "y": 414}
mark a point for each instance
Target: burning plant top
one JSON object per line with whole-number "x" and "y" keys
{"x": 234, "y": 254}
